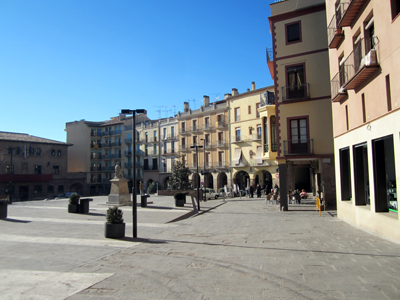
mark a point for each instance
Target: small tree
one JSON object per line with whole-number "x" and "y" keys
{"x": 180, "y": 176}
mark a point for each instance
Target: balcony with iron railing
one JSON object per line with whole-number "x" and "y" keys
{"x": 95, "y": 169}
{"x": 116, "y": 156}
{"x": 95, "y": 156}
{"x": 195, "y": 128}
{"x": 298, "y": 147}
{"x": 193, "y": 166}
{"x": 295, "y": 92}
{"x": 240, "y": 139}
{"x": 361, "y": 64}
{"x": 107, "y": 145}
{"x": 338, "y": 93}
{"x": 128, "y": 153}
{"x": 172, "y": 137}
{"x": 207, "y": 127}
{"x": 165, "y": 169}
{"x": 184, "y": 131}
{"x": 221, "y": 144}
{"x": 168, "y": 152}
{"x": 221, "y": 125}
{"x": 116, "y": 144}
{"x": 256, "y": 136}
{"x": 258, "y": 163}
{"x": 348, "y": 11}
{"x": 95, "y": 145}
{"x": 208, "y": 145}
{"x": 207, "y": 165}
{"x": 153, "y": 139}
{"x": 116, "y": 132}
{"x": 184, "y": 148}
{"x": 220, "y": 165}
{"x": 107, "y": 156}
{"x": 108, "y": 169}
{"x": 335, "y": 33}
{"x": 194, "y": 145}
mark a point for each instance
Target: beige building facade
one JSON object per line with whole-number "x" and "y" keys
{"x": 35, "y": 168}
{"x": 203, "y": 142}
{"x": 252, "y": 161}
{"x": 364, "y": 68}
{"x": 300, "y": 66}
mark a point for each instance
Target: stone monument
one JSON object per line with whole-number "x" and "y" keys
{"x": 119, "y": 193}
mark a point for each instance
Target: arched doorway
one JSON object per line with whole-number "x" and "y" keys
{"x": 222, "y": 180}
{"x": 242, "y": 179}
{"x": 209, "y": 181}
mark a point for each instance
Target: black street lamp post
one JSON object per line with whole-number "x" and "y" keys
{"x": 197, "y": 173}
{"x": 204, "y": 171}
{"x": 134, "y": 200}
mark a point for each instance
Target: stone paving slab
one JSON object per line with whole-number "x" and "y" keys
{"x": 241, "y": 249}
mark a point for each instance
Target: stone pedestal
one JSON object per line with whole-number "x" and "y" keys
{"x": 119, "y": 193}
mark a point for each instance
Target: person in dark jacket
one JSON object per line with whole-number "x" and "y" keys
{"x": 258, "y": 191}
{"x": 251, "y": 191}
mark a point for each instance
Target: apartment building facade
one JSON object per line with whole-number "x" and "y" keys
{"x": 206, "y": 127}
{"x": 158, "y": 144}
{"x": 364, "y": 68}
{"x": 250, "y": 114}
{"x": 300, "y": 68}
{"x": 99, "y": 146}
{"x": 35, "y": 168}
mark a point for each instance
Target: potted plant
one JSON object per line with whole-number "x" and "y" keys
{"x": 73, "y": 206}
{"x": 115, "y": 226}
{"x": 180, "y": 199}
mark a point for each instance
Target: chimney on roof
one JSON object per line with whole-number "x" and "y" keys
{"x": 235, "y": 92}
{"x": 226, "y": 96}
{"x": 185, "y": 106}
{"x": 206, "y": 101}
{"x": 253, "y": 86}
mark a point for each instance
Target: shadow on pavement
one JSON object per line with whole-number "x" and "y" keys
{"x": 15, "y": 220}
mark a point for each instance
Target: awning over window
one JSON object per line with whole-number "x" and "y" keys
{"x": 237, "y": 156}
{"x": 259, "y": 160}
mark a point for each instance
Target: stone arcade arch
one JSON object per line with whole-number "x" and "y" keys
{"x": 241, "y": 179}
{"x": 222, "y": 180}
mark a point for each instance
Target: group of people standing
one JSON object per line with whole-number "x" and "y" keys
{"x": 258, "y": 190}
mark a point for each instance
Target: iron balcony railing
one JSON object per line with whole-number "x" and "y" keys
{"x": 270, "y": 54}
{"x": 184, "y": 131}
{"x": 95, "y": 156}
{"x": 337, "y": 83}
{"x": 95, "y": 169}
{"x": 256, "y": 136}
{"x": 195, "y": 128}
{"x": 220, "y": 124}
{"x": 184, "y": 148}
{"x": 296, "y": 92}
{"x": 116, "y": 132}
{"x": 207, "y": 127}
{"x": 335, "y": 33}
{"x": 107, "y": 145}
{"x": 240, "y": 139}
{"x": 298, "y": 147}
{"x": 165, "y": 169}
{"x": 207, "y": 164}
{"x": 268, "y": 98}
{"x": 128, "y": 153}
{"x": 116, "y": 144}
{"x": 208, "y": 145}
{"x": 95, "y": 146}
{"x": 220, "y": 144}
{"x": 364, "y": 54}
{"x": 220, "y": 164}
{"x": 194, "y": 166}
{"x": 114, "y": 156}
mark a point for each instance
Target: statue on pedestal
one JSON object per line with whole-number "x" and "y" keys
{"x": 118, "y": 170}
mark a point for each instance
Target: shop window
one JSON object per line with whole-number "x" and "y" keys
{"x": 384, "y": 175}
{"x": 361, "y": 180}
{"x": 37, "y": 189}
{"x": 345, "y": 174}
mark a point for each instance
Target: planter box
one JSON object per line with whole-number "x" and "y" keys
{"x": 180, "y": 202}
{"x": 4, "y": 209}
{"x": 73, "y": 208}
{"x": 84, "y": 205}
{"x": 114, "y": 231}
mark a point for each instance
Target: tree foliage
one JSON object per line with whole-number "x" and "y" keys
{"x": 180, "y": 176}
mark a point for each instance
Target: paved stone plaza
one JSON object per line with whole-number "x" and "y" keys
{"x": 238, "y": 249}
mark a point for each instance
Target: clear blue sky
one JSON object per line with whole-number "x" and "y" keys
{"x": 67, "y": 60}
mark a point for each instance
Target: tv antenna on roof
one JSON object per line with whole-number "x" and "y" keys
{"x": 216, "y": 97}
{"x": 159, "y": 110}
